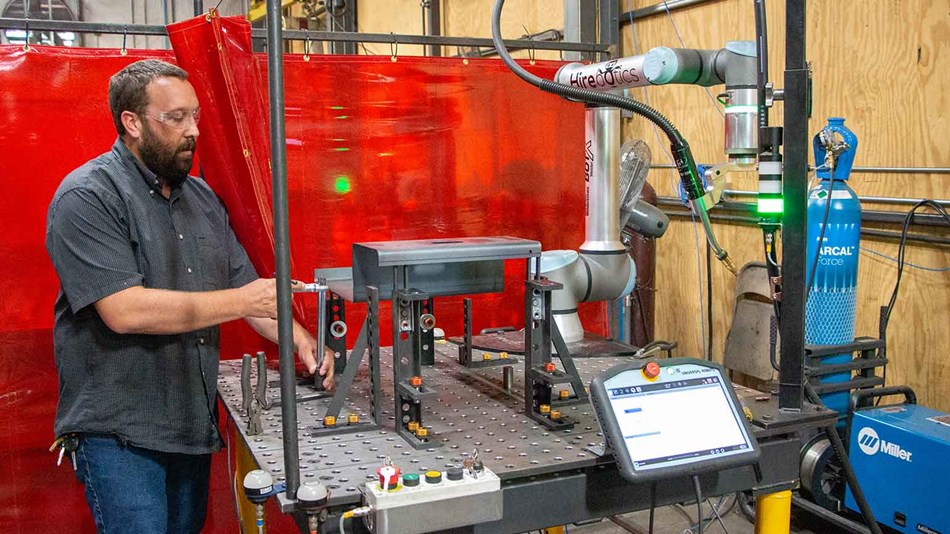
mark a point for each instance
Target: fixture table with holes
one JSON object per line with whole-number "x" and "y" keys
{"x": 548, "y": 477}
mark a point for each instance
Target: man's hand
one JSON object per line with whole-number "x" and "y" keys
{"x": 260, "y": 297}
{"x": 306, "y": 349}
{"x": 327, "y": 369}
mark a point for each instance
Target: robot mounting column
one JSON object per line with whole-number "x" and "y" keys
{"x": 601, "y": 269}
{"x": 602, "y": 176}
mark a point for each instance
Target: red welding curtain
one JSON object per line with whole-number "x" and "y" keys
{"x": 216, "y": 52}
{"x": 377, "y": 150}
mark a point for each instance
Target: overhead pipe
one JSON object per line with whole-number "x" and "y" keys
{"x": 868, "y": 170}
{"x": 873, "y": 199}
{"x": 7, "y": 23}
{"x": 868, "y": 216}
{"x": 551, "y": 35}
{"x": 658, "y": 9}
{"x": 748, "y": 220}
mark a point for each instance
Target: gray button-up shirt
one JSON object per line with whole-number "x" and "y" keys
{"x": 109, "y": 228}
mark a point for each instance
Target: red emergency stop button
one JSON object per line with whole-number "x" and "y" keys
{"x": 651, "y": 371}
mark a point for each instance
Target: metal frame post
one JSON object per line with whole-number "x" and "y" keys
{"x": 794, "y": 190}
{"x": 408, "y": 339}
{"x": 465, "y": 348}
{"x": 610, "y": 26}
{"x": 434, "y": 24}
{"x": 346, "y": 22}
{"x": 539, "y": 375}
{"x": 580, "y": 25}
{"x": 285, "y": 324}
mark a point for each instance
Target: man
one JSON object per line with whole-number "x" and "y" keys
{"x": 149, "y": 268}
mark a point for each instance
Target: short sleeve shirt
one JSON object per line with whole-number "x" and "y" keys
{"x": 109, "y": 228}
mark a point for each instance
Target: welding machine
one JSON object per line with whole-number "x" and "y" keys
{"x": 900, "y": 457}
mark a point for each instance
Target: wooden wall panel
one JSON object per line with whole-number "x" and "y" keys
{"x": 391, "y": 16}
{"x": 885, "y": 68}
{"x": 472, "y": 18}
{"x": 463, "y": 18}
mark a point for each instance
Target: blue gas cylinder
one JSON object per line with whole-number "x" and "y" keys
{"x": 832, "y": 298}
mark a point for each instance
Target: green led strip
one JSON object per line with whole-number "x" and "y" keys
{"x": 742, "y": 109}
{"x": 771, "y": 205}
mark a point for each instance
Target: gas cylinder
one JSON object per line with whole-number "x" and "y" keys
{"x": 832, "y": 251}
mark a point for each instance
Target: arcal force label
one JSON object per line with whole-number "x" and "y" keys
{"x": 926, "y": 530}
{"x": 837, "y": 251}
{"x": 870, "y": 443}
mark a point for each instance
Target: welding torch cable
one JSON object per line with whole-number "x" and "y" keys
{"x": 706, "y": 347}
{"x": 698, "y": 207}
{"x": 686, "y": 163}
{"x": 850, "y": 476}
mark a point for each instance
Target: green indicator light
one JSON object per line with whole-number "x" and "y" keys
{"x": 337, "y": 107}
{"x": 342, "y": 117}
{"x": 771, "y": 205}
{"x": 342, "y": 185}
{"x": 341, "y": 149}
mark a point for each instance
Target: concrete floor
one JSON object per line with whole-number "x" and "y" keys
{"x": 671, "y": 520}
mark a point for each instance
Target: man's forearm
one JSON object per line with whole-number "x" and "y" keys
{"x": 303, "y": 342}
{"x": 140, "y": 310}
{"x": 267, "y": 328}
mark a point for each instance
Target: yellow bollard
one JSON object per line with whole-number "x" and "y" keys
{"x": 773, "y": 513}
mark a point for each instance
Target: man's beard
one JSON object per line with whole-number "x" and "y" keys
{"x": 168, "y": 163}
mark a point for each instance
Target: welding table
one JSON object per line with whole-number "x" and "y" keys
{"x": 548, "y": 477}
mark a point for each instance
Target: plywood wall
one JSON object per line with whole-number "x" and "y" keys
{"x": 882, "y": 64}
{"x": 886, "y": 68}
{"x": 464, "y": 18}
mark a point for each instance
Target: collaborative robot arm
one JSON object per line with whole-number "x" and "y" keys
{"x": 734, "y": 66}
{"x": 685, "y": 163}
{"x": 600, "y": 269}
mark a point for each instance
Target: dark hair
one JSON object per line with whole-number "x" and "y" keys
{"x": 127, "y": 87}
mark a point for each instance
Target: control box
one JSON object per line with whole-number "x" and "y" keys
{"x": 432, "y": 501}
{"x": 899, "y": 454}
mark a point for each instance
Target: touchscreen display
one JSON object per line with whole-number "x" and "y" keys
{"x": 684, "y": 416}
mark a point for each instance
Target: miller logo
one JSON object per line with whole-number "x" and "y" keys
{"x": 868, "y": 440}
{"x": 870, "y": 444}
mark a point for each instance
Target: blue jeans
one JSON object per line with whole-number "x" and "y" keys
{"x": 130, "y": 489}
